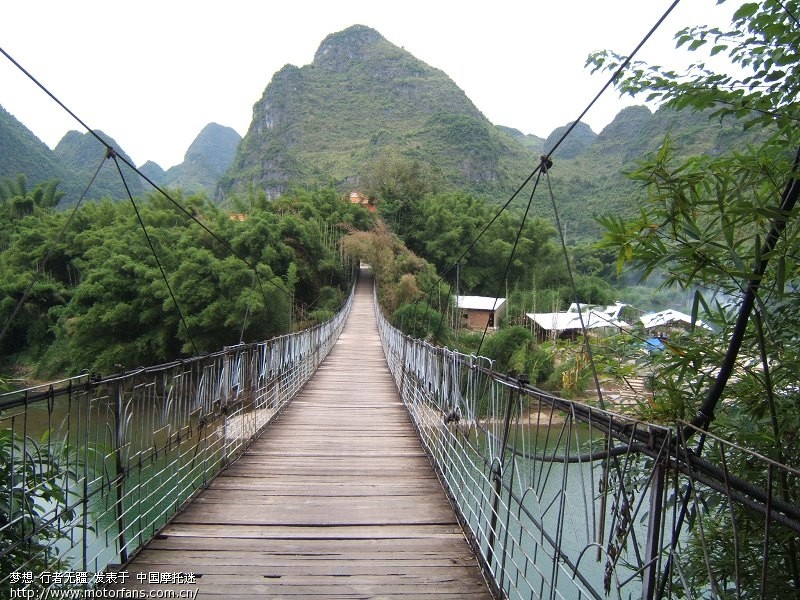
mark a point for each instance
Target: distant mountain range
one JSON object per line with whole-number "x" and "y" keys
{"x": 77, "y": 157}
{"x": 208, "y": 158}
{"x": 360, "y": 98}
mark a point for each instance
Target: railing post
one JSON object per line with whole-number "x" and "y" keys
{"x": 653, "y": 544}
{"x": 224, "y": 408}
{"x": 84, "y": 444}
{"x": 404, "y": 342}
{"x": 497, "y": 476}
{"x": 119, "y": 487}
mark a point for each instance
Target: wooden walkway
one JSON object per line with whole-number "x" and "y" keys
{"x": 336, "y": 500}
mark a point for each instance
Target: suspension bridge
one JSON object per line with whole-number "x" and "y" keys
{"x": 351, "y": 461}
{"x": 337, "y": 499}
{"x": 302, "y": 466}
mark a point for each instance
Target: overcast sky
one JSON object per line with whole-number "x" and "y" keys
{"x": 152, "y": 74}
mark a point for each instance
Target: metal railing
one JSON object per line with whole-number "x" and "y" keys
{"x": 564, "y": 500}
{"x": 95, "y": 466}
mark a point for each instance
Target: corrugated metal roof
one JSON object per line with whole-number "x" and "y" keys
{"x": 567, "y": 321}
{"x": 479, "y": 302}
{"x": 666, "y": 317}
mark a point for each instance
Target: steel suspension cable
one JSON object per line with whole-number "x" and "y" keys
{"x": 614, "y": 77}
{"x": 111, "y": 151}
{"x": 54, "y": 98}
{"x": 543, "y": 165}
{"x": 155, "y": 255}
{"x": 503, "y": 279}
{"x": 574, "y": 288}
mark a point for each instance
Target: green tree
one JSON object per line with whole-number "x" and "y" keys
{"x": 37, "y": 267}
{"x": 506, "y": 348}
{"x": 420, "y": 321}
{"x": 18, "y": 201}
{"x": 407, "y": 286}
{"x": 399, "y": 183}
{"x": 450, "y": 226}
{"x": 101, "y": 301}
{"x": 725, "y": 225}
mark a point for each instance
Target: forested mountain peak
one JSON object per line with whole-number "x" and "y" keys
{"x": 77, "y": 156}
{"x": 338, "y": 50}
{"x": 215, "y": 145}
{"x": 363, "y": 97}
{"x": 529, "y": 140}
{"x": 579, "y": 140}
{"x": 209, "y": 156}
{"x": 365, "y": 102}
{"x": 81, "y": 154}
{"x": 22, "y": 153}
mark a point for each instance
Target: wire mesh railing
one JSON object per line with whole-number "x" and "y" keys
{"x": 94, "y": 466}
{"x": 564, "y": 500}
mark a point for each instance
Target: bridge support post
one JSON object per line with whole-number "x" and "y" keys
{"x": 653, "y": 545}
{"x": 119, "y": 487}
{"x": 497, "y": 475}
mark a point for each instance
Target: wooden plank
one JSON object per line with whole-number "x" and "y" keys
{"x": 341, "y": 532}
{"x": 336, "y": 500}
{"x": 362, "y": 548}
{"x": 265, "y": 582}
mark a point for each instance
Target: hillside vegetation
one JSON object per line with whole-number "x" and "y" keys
{"x": 361, "y": 97}
{"x": 100, "y": 298}
{"x": 22, "y": 153}
{"x": 363, "y": 101}
{"x": 364, "y": 115}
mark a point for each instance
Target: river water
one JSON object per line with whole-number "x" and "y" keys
{"x": 556, "y": 509}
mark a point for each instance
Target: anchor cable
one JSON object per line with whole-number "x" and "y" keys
{"x": 113, "y": 155}
{"x": 108, "y": 147}
{"x": 110, "y": 151}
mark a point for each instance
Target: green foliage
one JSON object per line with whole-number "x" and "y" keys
{"x": 505, "y": 348}
{"x": 101, "y": 303}
{"x": 420, "y": 321}
{"x": 398, "y": 271}
{"x": 32, "y": 484}
{"x": 443, "y": 228}
{"x": 21, "y": 152}
{"x": 704, "y": 226}
{"x": 17, "y": 201}
{"x": 590, "y": 289}
{"x": 514, "y": 350}
{"x": 398, "y": 183}
{"x": 571, "y": 371}
{"x": 762, "y": 87}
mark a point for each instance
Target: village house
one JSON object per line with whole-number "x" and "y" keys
{"x": 363, "y": 200}
{"x": 480, "y": 312}
{"x": 666, "y": 321}
{"x": 570, "y": 324}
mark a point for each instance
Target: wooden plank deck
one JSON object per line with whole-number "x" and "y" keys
{"x": 336, "y": 500}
